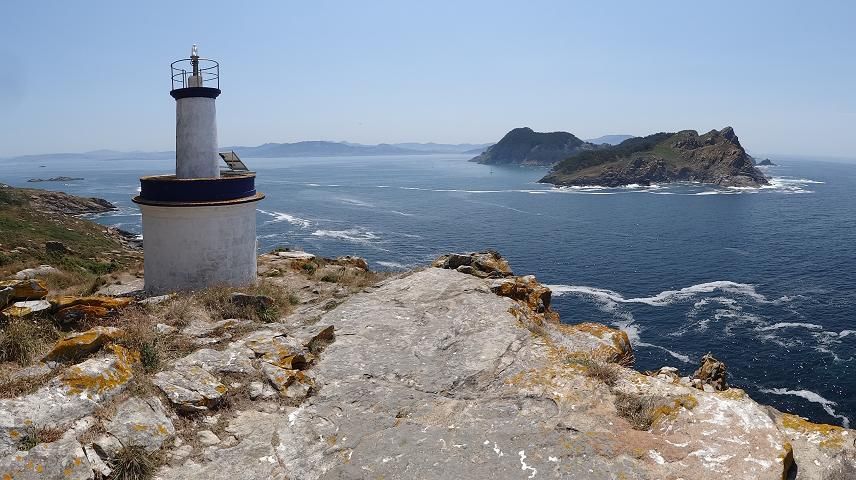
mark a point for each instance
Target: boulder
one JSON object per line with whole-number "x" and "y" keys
{"x": 55, "y": 247}
{"x": 356, "y": 262}
{"x": 525, "y": 289}
{"x": 190, "y": 388}
{"x": 30, "y": 289}
{"x": 73, "y": 394}
{"x": 80, "y": 344}
{"x": 712, "y": 372}
{"x": 295, "y": 255}
{"x": 63, "y": 460}
{"x": 258, "y": 302}
{"x": 40, "y": 271}
{"x": 233, "y": 359}
{"x": 142, "y": 423}
{"x": 207, "y": 438}
{"x": 487, "y": 264}
{"x": 26, "y": 308}
{"x": 72, "y": 309}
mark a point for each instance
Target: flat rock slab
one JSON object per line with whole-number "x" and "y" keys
{"x": 70, "y": 396}
{"x": 142, "y": 423}
{"x": 233, "y": 359}
{"x": 252, "y": 458}
{"x": 63, "y": 460}
{"x": 190, "y": 388}
{"x": 40, "y": 271}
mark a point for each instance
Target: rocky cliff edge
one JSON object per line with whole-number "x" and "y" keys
{"x": 433, "y": 374}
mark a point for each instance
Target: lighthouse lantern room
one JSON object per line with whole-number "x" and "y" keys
{"x": 199, "y": 225}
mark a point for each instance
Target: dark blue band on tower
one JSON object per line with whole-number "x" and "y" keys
{"x": 168, "y": 188}
{"x": 206, "y": 92}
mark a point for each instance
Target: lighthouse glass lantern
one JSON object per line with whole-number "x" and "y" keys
{"x": 199, "y": 225}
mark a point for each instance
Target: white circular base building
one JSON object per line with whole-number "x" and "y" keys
{"x": 199, "y": 227}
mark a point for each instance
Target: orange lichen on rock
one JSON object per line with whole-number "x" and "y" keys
{"x": 79, "y": 344}
{"x": 98, "y": 376}
{"x": 826, "y": 436}
{"x": 31, "y": 289}
{"x": 525, "y": 289}
{"x": 73, "y": 309}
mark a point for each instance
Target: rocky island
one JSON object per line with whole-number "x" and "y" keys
{"x": 523, "y": 146}
{"x": 54, "y": 179}
{"x": 715, "y": 158}
{"x": 324, "y": 369}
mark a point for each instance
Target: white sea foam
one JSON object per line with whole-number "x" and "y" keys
{"x": 664, "y": 298}
{"x": 394, "y": 265}
{"x": 286, "y": 217}
{"x": 779, "y": 325}
{"x": 352, "y": 235}
{"x": 401, "y": 213}
{"x": 845, "y": 333}
{"x": 811, "y": 397}
{"x": 354, "y": 201}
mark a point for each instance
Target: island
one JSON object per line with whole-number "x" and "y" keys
{"x": 766, "y": 163}
{"x": 54, "y": 179}
{"x": 715, "y": 157}
{"x": 523, "y": 146}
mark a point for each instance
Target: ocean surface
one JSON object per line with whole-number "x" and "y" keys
{"x": 763, "y": 278}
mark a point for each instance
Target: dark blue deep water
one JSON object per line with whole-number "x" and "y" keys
{"x": 765, "y": 279}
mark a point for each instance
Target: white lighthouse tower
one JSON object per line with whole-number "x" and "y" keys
{"x": 199, "y": 227}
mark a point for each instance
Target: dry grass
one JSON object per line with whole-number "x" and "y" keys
{"x": 23, "y": 340}
{"x": 605, "y": 372}
{"x": 140, "y": 334}
{"x": 34, "y": 436}
{"x": 24, "y": 385}
{"x": 132, "y": 463}
{"x": 638, "y": 410}
{"x": 354, "y": 279}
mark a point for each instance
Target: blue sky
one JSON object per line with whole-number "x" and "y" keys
{"x": 78, "y": 76}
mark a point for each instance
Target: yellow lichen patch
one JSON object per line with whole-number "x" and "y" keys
{"x": 79, "y": 344}
{"x": 14, "y": 434}
{"x": 732, "y": 394}
{"x": 671, "y": 410}
{"x": 78, "y": 380}
{"x": 93, "y": 301}
{"x": 827, "y": 436}
{"x": 221, "y": 388}
{"x": 138, "y": 427}
{"x": 26, "y": 289}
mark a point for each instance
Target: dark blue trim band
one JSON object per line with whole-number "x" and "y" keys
{"x": 206, "y": 92}
{"x": 167, "y": 188}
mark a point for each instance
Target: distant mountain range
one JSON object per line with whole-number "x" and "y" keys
{"x": 610, "y": 139}
{"x": 319, "y": 148}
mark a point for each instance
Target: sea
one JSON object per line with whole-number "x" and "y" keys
{"x": 763, "y": 278}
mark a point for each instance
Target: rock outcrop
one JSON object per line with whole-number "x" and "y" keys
{"x": 715, "y": 157}
{"x": 523, "y": 146}
{"x": 430, "y": 374}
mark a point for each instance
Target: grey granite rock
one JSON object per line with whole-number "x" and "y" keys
{"x": 190, "y": 388}
{"x": 142, "y": 423}
{"x": 48, "y": 461}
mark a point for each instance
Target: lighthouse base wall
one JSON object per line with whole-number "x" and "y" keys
{"x": 191, "y": 248}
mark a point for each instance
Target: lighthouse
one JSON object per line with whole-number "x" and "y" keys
{"x": 199, "y": 224}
